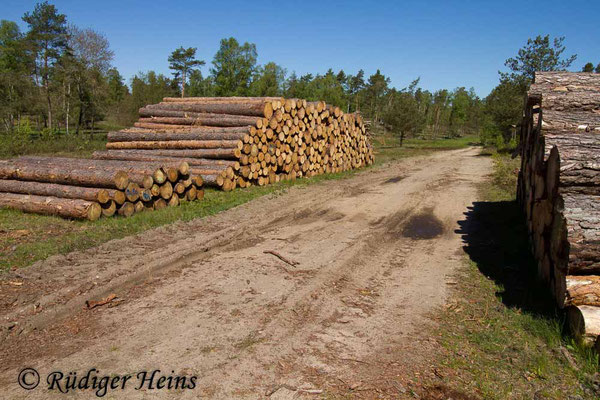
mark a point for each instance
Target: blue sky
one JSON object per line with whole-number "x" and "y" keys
{"x": 446, "y": 43}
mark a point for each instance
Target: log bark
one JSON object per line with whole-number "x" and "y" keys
{"x": 66, "y": 208}
{"x": 100, "y": 195}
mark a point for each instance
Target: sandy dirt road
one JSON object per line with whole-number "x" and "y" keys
{"x": 373, "y": 256}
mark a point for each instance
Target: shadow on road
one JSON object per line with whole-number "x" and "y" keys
{"x": 495, "y": 238}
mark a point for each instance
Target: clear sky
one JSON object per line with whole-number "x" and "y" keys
{"x": 446, "y": 43}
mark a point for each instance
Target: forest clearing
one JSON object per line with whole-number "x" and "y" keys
{"x": 203, "y": 222}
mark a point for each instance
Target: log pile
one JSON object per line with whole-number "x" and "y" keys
{"x": 559, "y": 190}
{"x": 244, "y": 141}
{"x": 88, "y": 189}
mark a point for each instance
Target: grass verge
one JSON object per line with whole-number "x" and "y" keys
{"x": 501, "y": 335}
{"x": 27, "y": 238}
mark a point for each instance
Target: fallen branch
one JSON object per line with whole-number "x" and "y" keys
{"x": 282, "y": 258}
{"x": 93, "y": 304}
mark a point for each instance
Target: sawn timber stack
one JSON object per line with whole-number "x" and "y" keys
{"x": 244, "y": 141}
{"x": 559, "y": 190}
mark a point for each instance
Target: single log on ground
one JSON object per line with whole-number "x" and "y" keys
{"x": 66, "y": 208}
{"x": 101, "y": 195}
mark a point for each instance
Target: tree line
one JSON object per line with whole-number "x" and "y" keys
{"x": 59, "y": 77}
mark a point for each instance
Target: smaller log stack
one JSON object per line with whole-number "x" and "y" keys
{"x": 559, "y": 190}
{"x": 88, "y": 189}
{"x": 243, "y": 141}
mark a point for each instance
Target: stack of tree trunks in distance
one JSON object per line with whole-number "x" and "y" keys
{"x": 88, "y": 189}
{"x": 244, "y": 141}
{"x": 559, "y": 190}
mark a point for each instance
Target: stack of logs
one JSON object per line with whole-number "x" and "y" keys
{"x": 559, "y": 190}
{"x": 244, "y": 141}
{"x": 89, "y": 189}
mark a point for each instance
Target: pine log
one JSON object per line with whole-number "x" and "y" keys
{"x": 582, "y": 290}
{"x": 582, "y": 213}
{"x": 243, "y": 107}
{"x": 566, "y": 79}
{"x": 220, "y": 99}
{"x": 200, "y": 130}
{"x": 100, "y": 195}
{"x": 176, "y": 144}
{"x": 166, "y": 190}
{"x": 176, "y": 136}
{"x": 109, "y": 209}
{"x": 158, "y": 116}
{"x": 127, "y": 209}
{"x": 66, "y": 208}
{"x": 133, "y": 155}
{"x": 65, "y": 174}
{"x": 584, "y": 322}
{"x": 139, "y": 167}
{"x": 225, "y": 154}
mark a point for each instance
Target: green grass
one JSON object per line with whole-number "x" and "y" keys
{"x": 27, "y": 238}
{"x": 502, "y": 336}
{"x": 57, "y": 143}
{"x": 387, "y": 147}
{"x": 62, "y": 145}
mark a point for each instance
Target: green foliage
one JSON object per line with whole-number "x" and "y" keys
{"x": 233, "y": 67}
{"x": 503, "y": 109}
{"x": 268, "y": 80}
{"x": 182, "y": 61}
{"x": 589, "y": 67}
{"x": 539, "y": 54}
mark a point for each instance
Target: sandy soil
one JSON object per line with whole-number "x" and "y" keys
{"x": 373, "y": 257}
